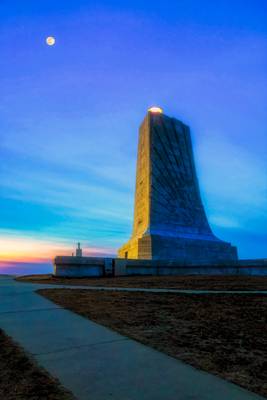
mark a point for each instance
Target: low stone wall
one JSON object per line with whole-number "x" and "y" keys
{"x": 151, "y": 267}
{"x": 98, "y": 267}
{"x": 77, "y": 271}
{"x": 76, "y": 267}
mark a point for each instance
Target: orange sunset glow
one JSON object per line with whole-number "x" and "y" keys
{"x": 36, "y": 250}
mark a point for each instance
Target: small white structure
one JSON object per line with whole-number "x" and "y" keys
{"x": 79, "y": 252}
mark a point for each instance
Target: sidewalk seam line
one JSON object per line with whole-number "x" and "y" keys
{"x": 33, "y": 310}
{"x": 82, "y": 346}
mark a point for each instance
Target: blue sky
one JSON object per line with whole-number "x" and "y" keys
{"x": 69, "y": 116}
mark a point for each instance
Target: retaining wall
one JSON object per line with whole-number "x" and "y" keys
{"x": 98, "y": 267}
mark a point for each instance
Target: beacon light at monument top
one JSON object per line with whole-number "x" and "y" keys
{"x": 155, "y": 110}
{"x": 169, "y": 218}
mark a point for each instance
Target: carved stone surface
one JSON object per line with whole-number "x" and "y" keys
{"x": 169, "y": 217}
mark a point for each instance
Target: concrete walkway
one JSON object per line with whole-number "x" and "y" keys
{"x": 151, "y": 290}
{"x": 96, "y": 363}
{"x": 181, "y": 291}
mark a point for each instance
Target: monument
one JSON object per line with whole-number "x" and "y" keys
{"x": 171, "y": 234}
{"x": 169, "y": 218}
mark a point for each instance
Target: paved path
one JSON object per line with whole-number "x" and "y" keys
{"x": 154, "y": 290}
{"x": 96, "y": 363}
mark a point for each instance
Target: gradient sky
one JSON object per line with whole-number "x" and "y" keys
{"x": 69, "y": 116}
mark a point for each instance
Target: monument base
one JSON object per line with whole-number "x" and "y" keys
{"x": 185, "y": 249}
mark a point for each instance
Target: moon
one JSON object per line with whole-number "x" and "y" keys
{"x": 50, "y": 41}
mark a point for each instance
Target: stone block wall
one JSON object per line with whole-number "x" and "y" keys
{"x": 78, "y": 267}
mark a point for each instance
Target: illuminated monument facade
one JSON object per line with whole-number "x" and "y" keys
{"x": 169, "y": 218}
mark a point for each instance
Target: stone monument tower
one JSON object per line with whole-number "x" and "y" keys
{"x": 169, "y": 218}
